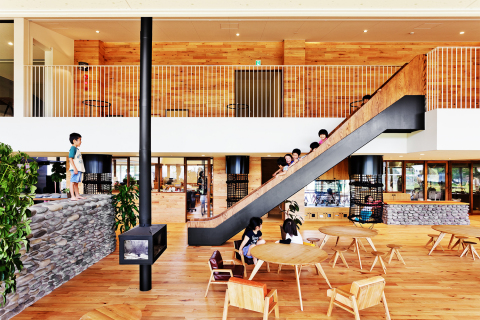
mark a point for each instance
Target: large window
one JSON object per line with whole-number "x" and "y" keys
{"x": 394, "y": 176}
{"x": 461, "y": 182}
{"x": 476, "y": 187}
{"x": 436, "y": 181}
{"x": 6, "y": 68}
{"x": 414, "y": 180}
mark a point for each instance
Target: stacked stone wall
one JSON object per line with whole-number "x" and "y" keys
{"x": 67, "y": 237}
{"x": 419, "y": 214}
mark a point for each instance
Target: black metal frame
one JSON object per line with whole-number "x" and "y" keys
{"x": 237, "y": 188}
{"x": 94, "y": 183}
{"x": 361, "y": 186}
{"x": 405, "y": 115}
{"x": 156, "y": 236}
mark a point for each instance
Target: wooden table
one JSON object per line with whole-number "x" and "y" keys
{"x": 114, "y": 312}
{"x": 349, "y": 232}
{"x": 469, "y": 231}
{"x": 290, "y": 254}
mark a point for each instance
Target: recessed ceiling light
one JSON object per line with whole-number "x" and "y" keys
{"x": 238, "y": 34}
{"x": 97, "y": 31}
{"x": 269, "y": 156}
{"x": 422, "y": 154}
{"x": 401, "y": 156}
{"x": 462, "y": 32}
{"x": 412, "y": 32}
{"x": 10, "y": 43}
{"x": 365, "y": 30}
{"x": 203, "y": 155}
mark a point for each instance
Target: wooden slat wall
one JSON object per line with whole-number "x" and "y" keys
{"x": 411, "y": 80}
{"x": 168, "y": 207}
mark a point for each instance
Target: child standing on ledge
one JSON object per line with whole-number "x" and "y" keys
{"x": 76, "y": 165}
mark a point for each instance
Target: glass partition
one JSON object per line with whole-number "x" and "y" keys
{"x": 461, "y": 182}
{"x": 476, "y": 188}
{"x": 172, "y": 175}
{"x": 394, "y": 176}
{"x": 414, "y": 180}
{"x": 6, "y": 68}
{"x": 436, "y": 181}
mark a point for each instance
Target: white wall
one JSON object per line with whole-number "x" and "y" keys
{"x": 63, "y": 47}
{"x": 446, "y": 130}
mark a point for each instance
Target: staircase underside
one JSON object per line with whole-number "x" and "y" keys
{"x": 389, "y": 112}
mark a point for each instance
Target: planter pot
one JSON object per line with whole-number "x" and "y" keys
{"x": 69, "y": 195}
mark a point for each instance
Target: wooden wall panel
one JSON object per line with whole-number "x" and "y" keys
{"x": 219, "y": 185}
{"x": 168, "y": 207}
{"x": 90, "y": 51}
{"x": 197, "y": 53}
{"x": 294, "y": 52}
{"x": 370, "y": 53}
{"x": 255, "y": 174}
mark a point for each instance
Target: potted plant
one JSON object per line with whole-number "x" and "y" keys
{"x": 59, "y": 173}
{"x": 126, "y": 210}
{"x": 18, "y": 176}
{"x": 291, "y": 208}
{"x": 67, "y": 191}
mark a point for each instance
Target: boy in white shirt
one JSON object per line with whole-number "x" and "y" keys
{"x": 76, "y": 165}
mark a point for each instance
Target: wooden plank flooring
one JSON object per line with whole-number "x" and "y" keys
{"x": 440, "y": 286}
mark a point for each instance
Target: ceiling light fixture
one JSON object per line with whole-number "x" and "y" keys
{"x": 97, "y": 31}
{"x": 401, "y": 156}
{"x": 269, "y": 156}
{"x": 412, "y": 32}
{"x": 10, "y": 43}
{"x": 365, "y": 30}
{"x": 462, "y": 32}
{"x": 238, "y": 34}
{"x": 203, "y": 155}
{"x": 422, "y": 154}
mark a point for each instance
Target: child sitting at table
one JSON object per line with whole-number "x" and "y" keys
{"x": 323, "y": 135}
{"x": 252, "y": 237}
{"x": 291, "y": 233}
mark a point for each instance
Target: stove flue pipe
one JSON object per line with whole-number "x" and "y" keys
{"x": 145, "y": 201}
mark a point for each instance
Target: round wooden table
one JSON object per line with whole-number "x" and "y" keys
{"x": 469, "y": 231}
{"x": 114, "y": 312}
{"x": 290, "y": 254}
{"x": 349, "y": 232}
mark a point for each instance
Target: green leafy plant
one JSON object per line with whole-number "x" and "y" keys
{"x": 291, "y": 208}
{"x": 66, "y": 190}
{"x": 126, "y": 210}
{"x": 59, "y": 172}
{"x": 18, "y": 176}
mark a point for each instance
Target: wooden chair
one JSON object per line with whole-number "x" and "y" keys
{"x": 358, "y": 296}
{"x": 220, "y": 273}
{"x": 244, "y": 260}
{"x": 338, "y": 253}
{"x": 394, "y": 249}
{"x": 469, "y": 247}
{"x": 250, "y": 295}
{"x": 433, "y": 238}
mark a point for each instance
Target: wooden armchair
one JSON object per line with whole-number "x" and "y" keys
{"x": 358, "y": 296}
{"x": 244, "y": 260}
{"x": 220, "y": 273}
{"x": 250, "y": 295}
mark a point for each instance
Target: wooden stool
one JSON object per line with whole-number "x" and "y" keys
{"x": 378, "y": 256}
{"x": 313, "y": 240}
{"x": 433, "y": 238}
{"x": 460, "y": 242}
{"x": 470, "y": 248}
{"x": 394, "y": 250}
{"x": 338, "y": 253}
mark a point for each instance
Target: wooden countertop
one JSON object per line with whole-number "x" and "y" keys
{"x": 440, "y": 203}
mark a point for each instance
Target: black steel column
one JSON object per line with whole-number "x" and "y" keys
{"x": 145, "y": 201}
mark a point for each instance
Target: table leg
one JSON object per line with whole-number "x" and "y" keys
{"x": 255, "y": 270}
{"x": 336, "y": 243}
{"x": 363, "y": 247}
{"x": 320, "y": 269}
{"x": 298, "y": 285}
{"x": 324, "y": 240}
{"x": 451, "y": 240}
{"x": 371, "y": 243}
{"x": 440, "y": 237}
{"x": 358, "y": 252}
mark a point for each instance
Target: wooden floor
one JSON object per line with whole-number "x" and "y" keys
{"x": 441, "y": 286}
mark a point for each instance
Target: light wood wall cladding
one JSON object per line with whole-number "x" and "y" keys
{"x": 168, "y": 207}
{"x": 197, "y": 53}
{"x": 294, "y": 52}
{"x": 453, "y": 78}
{"x": 370, "y": 53}
{"x": 220, "y": 181}
{"x": 89, "y": 51}
{"x": 410, "y": 80}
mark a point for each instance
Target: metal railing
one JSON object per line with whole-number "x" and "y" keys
{"x": 453, "y": 78}
{"x": 201, "y": 91}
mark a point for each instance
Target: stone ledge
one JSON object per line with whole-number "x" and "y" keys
{"x": 67, "y": 237}
{"x": 427, "y": 214}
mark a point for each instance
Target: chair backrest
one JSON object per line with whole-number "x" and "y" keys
{"x": 247, "y": 294}
{"x": 368, "y": 291}
{"x": 216, "y": 261}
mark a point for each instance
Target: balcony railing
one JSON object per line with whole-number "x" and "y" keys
{"x": 453, "y": 78}
{"x": 201, "y": 91}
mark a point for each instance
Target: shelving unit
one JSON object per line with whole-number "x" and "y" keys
{"x": 362, "y": 186}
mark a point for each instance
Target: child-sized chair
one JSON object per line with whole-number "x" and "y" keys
{"x": 244, "y": 260}
{"x": 220, "y": 273}
{"x": 359, "y": 295}
{"x": 250, "y": 295}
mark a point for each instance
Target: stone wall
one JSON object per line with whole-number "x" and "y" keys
{"x": 426, "y": 214}
{"x": 67, "y": 237}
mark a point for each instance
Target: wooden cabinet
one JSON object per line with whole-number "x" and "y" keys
{"x": 339, "y": 172}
